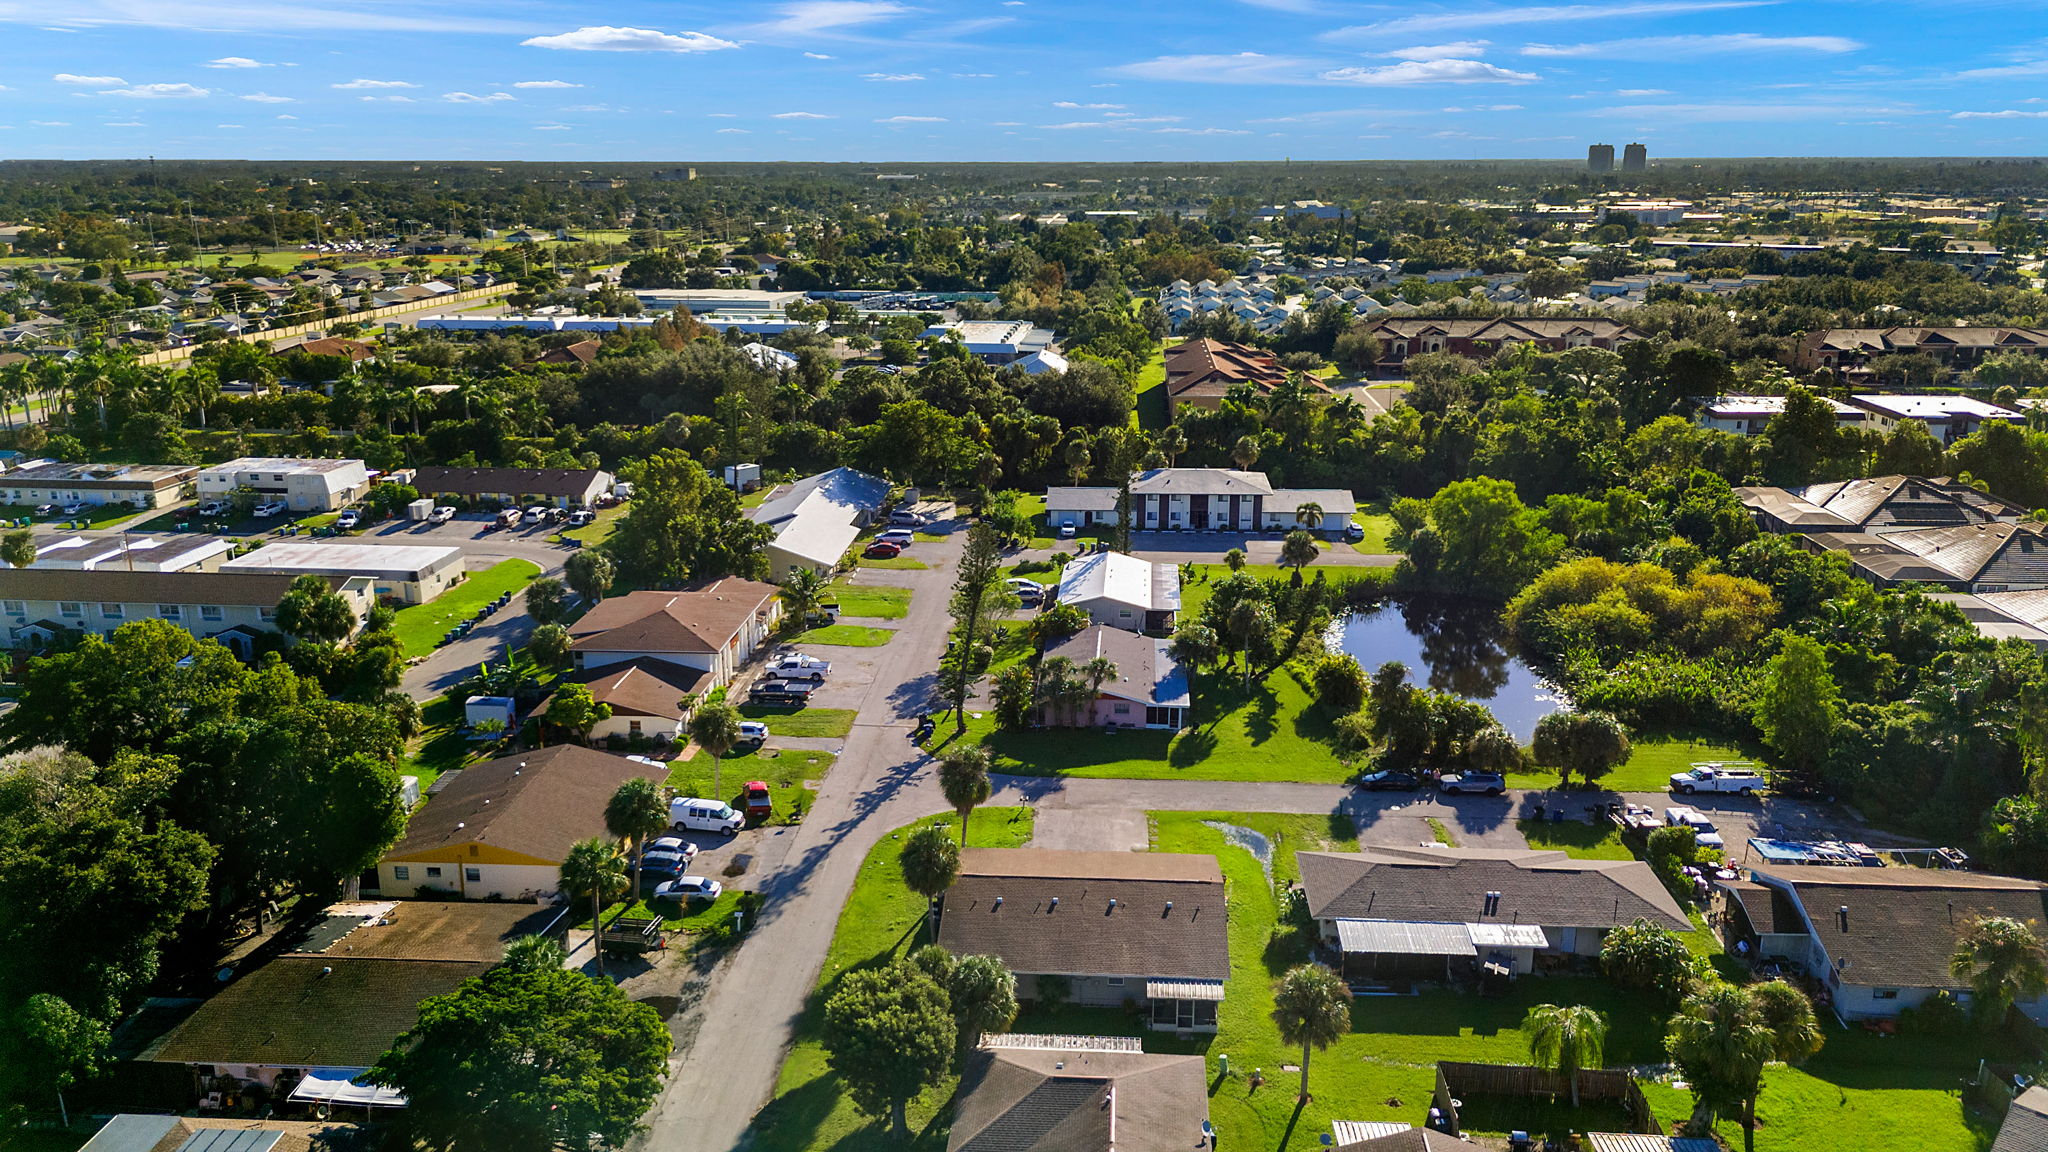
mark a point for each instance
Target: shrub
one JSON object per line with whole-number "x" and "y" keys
{"x": 1648, "y": 958}
{"x": 1339, "y": 683}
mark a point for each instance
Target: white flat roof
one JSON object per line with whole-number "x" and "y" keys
{"x": 395, "y": 561}
{"x": 1734, "y": 407}
{"x": 1934, "y": 407}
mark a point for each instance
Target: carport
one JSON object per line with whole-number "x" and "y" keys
{"x": 1423, "y": 950}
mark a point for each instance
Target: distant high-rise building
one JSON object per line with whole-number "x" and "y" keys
{"x": 1600, "y": 158}
{"x": 1635, "y": 158}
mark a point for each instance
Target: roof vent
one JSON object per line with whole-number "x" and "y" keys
{"x": 999, "y": 902}
{"x": 326, "y": 972}
{"x": 1169, "y": 905}
{"x": 1842, "y": 915}
{"x": 1112, "y": 903}
{"x": 1055, "y": 903}
{"x": 461, "y": 824}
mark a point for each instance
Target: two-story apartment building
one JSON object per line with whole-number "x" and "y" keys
{"x": 138, "y": 485}
{"x": 39, "y": 604}
{"x": 712, "y": 629}
{"x": 304, "y": 485}
{"x": 1205, "y": 500}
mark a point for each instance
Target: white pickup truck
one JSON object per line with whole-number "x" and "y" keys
{"x": 1742, "y": 779}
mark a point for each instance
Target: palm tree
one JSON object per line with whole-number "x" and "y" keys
{"x": 1565, "y": 1040}
{"x": 1098, "y": 672}
{"x": 1298, "y": 549}
{"x": 636, "y": 813}
{"x": 1171, "y": 442}
{"x": 1309, "y": 515}
{"x": 716, "y": 728}
{"x": 1244, "y": 453}
{"x": 1312, "y": 1008}
{"x": 2004, "y": 962}
{"x": 1724, "y": 1037}
{"x": 594, "y": 866}
{"x": 801, "y": 591}
{"x": 533, "y": 954}
{"x": 930, "y": 862}
{"x": 963, "y": 777}
{"x": 1054, "y": 676}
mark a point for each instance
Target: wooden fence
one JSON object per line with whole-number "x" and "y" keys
{"x": 1457, "y": 1081}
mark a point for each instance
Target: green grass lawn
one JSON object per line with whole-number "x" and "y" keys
{"x": 1272, "y": 733}
{"x": 595, "y": 531}
{"x": 870, "y": 601}
{"x": 1378, "y": 527}
{"x": 820, "y": 722}
{"x": 784, "y": 772}
{"x": 845, "y": 636}
{"x": 900, "y": 563}
{"x": 420, "y": 627}
{"x": 438, "y": 747}
{"x": 1650, "y": 765}
{"x": 94, "y": 515}
{"x": 1152, "y": 410}
{"x": 879, "y": 924}
{"x": 1577, "y": 838}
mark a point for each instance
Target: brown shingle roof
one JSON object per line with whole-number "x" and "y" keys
{"x": 535, "y": 803}
{"x": 1902, "y": 923}
{"x": 1090, "y": 913}
{"x": 1449, "y": 885}
{"x": 1031, "y": 1100}
{"x": 2026, "y": 1123}
{"x": 705, "y": 620}
{"x": 1204, "y": 370}
{"x": 1770, "y": 911}
{"x": 640, "y": 687}
{"x": 312, "y": 1011}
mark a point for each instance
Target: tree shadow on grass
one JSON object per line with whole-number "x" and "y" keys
{"x": 1191, "y": 747}
{"x": 791, "y": 1121}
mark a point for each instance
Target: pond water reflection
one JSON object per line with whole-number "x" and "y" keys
{"x": 1456, "y": 648}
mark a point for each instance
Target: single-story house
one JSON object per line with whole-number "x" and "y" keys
{"x": 38, "y": 604}
{"x": 1147, "y": 928}
{"x": 712, "y": 629}
{"x": 1122, "y": 591}
{"x": 581, "y": 354}
{"x": 562, "y": 487}
{"x": 1061, "y": 1096}
{"x": 414, "y": 573}
{"x": 1150, "y": 688}
{"x": 1204, "y": 500}
{"x": 501, "y": 829}
{"x": 135, "y": 1132}
{"x": 1880, "y": 938}
{"x": 816, "y": 519}
{"x": 138, "y": 485}
{"x": 2026, "y": 1123}
{"x": 308, "y": 1022}
{"x": 645, "y": 695}
{"x": 304, "y": 485}
{"x": 1433, "y": 912}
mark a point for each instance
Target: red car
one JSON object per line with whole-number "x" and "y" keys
{"x": 760, "y": 805}
{"x": 882, "y": 550}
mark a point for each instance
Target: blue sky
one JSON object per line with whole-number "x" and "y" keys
{"x": 873, "y": 80}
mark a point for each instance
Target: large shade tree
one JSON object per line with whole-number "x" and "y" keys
{"x": 2004, "y": 961}
{"x": 889, "y": 1034}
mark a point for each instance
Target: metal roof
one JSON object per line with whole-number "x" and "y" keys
{"x": 1404, "y": 938}
{"x": 231, "y": 1140}
{"x": 1184, "y": 989}
{"x": 1352, "y": 1131}
{"x": 1507, "y": 936}
{"x": 1635, "y": 1142}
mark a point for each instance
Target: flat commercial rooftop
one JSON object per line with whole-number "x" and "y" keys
{"x": 392, "y": 561}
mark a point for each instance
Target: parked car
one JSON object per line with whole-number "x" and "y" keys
{"x": 46, "y": 509}
{"x": 1066, "y": 531}
{"x": 901, "y": 537}
{"x": 799, "y": 666}
{"x": 1020, "y": 585}
{"x": 880, "y": 550}
{"x": 690, "y": 888}
{"x": 1389, "y": 780}
{"x": 648, "y": 760}
{"x": 509, "y": 518}
{"x": 264, "y": 511}
{"x": 908, "y": 518}
{"x": 580, "y": 517}
{"x": 349, "y": 518}
{"x": 788, "y": 693}
{"x": 661, "y": 864}
{"x": 690, "y": 814}
{"x": 752, "y": 732}
{"x": 538, "y": 514}
{"x": 673, "y": 844}
{"x": 760, "y": 805}
{"x": 1741, "y": 779}
{"x": 442, "y": 515}
{"x": 209, "y": 509}
{"x": 1354, "y": 532}
{"x": 1489, "y": 783}
{"x": 1703, "y": 829}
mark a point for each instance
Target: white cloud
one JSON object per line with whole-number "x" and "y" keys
{"x": 354, "y": 85}
{"x": 2006, "y": 71}
{"x": 125, "y": 124}
{"x": 810, "y": 17}
{"x": 1487, "y": 108}
{"x": 1661, "y": 47}
{"x": 973, "y": 75}
{"x": 85, "y": 81}
{"x": 820, "y": 56}
{"x": 1459, "y": 49}
{"x": 1736, "y": 113}
{"x": 267, "y": 98}
{"x": 2004, "y": 114}
{"x": 187, "y": 16}
{"x": 287, "y": 117}
{"x": 386, "y": 99}
{"x": 734, "y": 132}
{"x": 50, "y": 123}
{"x": 552, "y": 128}
{"x": 1430, "y": 72}
{"x": 158, "y": 92}
{"x": 1071, "y": 104}
{"x": 801, "y": 116}
{"x": 1494, "y": 17}
{"x": 1205, "y": 131}
{"x": 1642, "y": 92}
{"x": 606, "y": 38}
{"x": 1242, "y": 68}
{"x": 234, "y": 62}
{"x": 544, "y": 84}
{"x": 913, "y": 120}
{"x": 892, "y": 77}
{"x": 589, "y": 108}
{"x": 473, "y": 98}
{"x": 222, "y": 125}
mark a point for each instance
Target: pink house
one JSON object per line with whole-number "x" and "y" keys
{"x": 1149, "y": 688}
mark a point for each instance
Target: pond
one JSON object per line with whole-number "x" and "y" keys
{"x": 1455, "y": 648}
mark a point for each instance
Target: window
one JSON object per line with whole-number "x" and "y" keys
{"x": 1114, "y": 981}
{"x": 1123, "y": 613}
{"x": 633, "y": 727}
{"x": 473, "y": 875}
{"x": 15, "y": 607}
{"x": 111, "y": 611}
{"x": 209, "y": 612}
{"x": 401, "y": 871}
{"x": 1884, "y": 993}
{"x": 170, "y": 611}
{"x": 266, "y": 614}
{"x": 433, "y": 873}
{"x": 1123, "y": 707}
{"x": 70, "y": 609}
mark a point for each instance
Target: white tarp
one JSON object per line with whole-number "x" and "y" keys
{"x": 340, "y": 1086}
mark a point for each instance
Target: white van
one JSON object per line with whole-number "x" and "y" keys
{"x": 1703, "y": 829}
{"x": 689, "y": 814}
